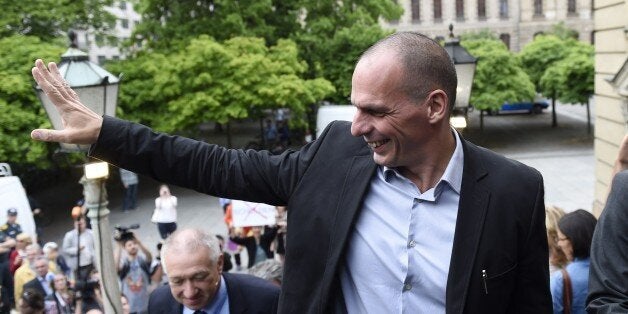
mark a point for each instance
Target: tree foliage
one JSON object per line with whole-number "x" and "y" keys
{"x": 499, "y": 77}
{"x": 560, "y": 67}
{"x": 213, "y": 81}
{"x": 572, "y": 78}
{"x": 329, "y": 34}
{"x": 47, "y": 19}
{"x": 21, "y": 110}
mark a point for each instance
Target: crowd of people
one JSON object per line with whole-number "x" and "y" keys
{"x": 396, "y": 211}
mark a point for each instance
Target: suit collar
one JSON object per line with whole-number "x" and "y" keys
{"x": 472, "y": 209}
{"x": 354, "y": 187}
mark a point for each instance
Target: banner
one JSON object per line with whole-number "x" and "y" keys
{"x": 247, "y": 214}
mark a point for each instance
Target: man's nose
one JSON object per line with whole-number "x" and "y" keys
{"x": 188, "y": 289}
{"x": 358, "y": 126}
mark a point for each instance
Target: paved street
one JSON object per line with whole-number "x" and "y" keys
{"x": 564, "y": 155}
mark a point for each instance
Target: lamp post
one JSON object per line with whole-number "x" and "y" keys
{"x": 465, "y": 70}
{"x": 98, "y": 90}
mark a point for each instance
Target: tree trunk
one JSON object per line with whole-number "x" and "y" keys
{"x": 229, "y": 134}
{"x": 554, "y": 123}
{"x": 588, "y": 118}
{"x": 482, "y": 120}
{"x": 261, "y": 132}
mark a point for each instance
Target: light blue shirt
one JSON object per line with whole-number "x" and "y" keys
{"x": 220, "y": 304}
{"x": 578, "y": 271}
{"x": 398, "y": 255}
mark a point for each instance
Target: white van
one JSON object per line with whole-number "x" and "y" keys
{"x": 328, "y": 113}
{"x": 13, "y": 195}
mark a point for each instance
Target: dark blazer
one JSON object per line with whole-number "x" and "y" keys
{"x": 500, "y": 226}
{"x": 608, "y": 282}
{"x": 35, "y": 284}
{"x": 247, "y": 294}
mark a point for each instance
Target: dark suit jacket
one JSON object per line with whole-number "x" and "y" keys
{"x": 500, "y": 226}
{"x": 608, "y": 280}
{"x": 35, "y": 285}
{"x": 247, "y": 294}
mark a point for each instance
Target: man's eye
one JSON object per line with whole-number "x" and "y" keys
{"x": 175, "y": 282}
{"x": 199, "y": 277}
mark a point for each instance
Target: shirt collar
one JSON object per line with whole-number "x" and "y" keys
{"x": 215, "y": 306}
{"x": 453, "y": 172}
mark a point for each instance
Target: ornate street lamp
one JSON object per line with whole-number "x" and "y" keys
{"x": 465, "y": 69}
{"x": 98, "y": 90}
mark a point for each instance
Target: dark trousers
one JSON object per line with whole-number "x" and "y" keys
{"x": 130, "y": 197}
{"x": 166, "y": 228}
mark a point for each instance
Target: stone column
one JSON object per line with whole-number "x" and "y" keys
{"x": 96, "y": 202}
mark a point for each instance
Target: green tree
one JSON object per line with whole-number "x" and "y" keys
{"x": 21, "y": 110}
{"x": 542, "y": 55}
{"x": 329, "y": 34}
{"x": 212, "y": 81}
{"x": 499, "y": 77}
{"x": 571, "y": 79}
{"x": 48, "y": 19}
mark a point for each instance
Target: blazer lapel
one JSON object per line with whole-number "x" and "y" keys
{"x": 354, "y": 188}
{"x": 474, "y": 197}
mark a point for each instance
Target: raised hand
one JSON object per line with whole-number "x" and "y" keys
{"x": 80, "y": 124}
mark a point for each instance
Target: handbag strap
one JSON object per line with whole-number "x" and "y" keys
{"x": 567, "y": 292}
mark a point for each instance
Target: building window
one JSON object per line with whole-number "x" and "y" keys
{"x": 460, "y": 10}
{"x": 115, "y": 57}
{"x": 438, "y": 11}
{"x": 100, "y": 40}
{"x": 124, "y": 23}
{"x": 122, "y": 5}
{"x": 505, "y": 38}
{"x": 538, "y": 7}
{"x": 482, "y": 9}
{"x": 416, "y": 10}
{"x": 571, "y": 6}
{"x": 101, "y": 60}
{"x": 503, "y": 9}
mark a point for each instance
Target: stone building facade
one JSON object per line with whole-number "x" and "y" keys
{"x": 611, "y": 90}
{"x": 514, "y": 21}
{"x": 102, "y": 48}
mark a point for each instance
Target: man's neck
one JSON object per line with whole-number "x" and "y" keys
{"x": 428, "y": 171}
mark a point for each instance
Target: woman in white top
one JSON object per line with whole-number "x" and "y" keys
{"x": 165, "y": 212}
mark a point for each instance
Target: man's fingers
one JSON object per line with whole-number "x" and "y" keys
{"x": 65, "y": 89}
{"x": 53, "y": 88}
{"x": 46, "y": 135}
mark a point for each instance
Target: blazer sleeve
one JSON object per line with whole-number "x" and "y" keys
{"x": 608, "y": 284}
{"x": 211, "y": 169}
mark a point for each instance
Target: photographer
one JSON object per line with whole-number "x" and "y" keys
{"x": 87, "y": 294}
{"x": 133, "y": 269}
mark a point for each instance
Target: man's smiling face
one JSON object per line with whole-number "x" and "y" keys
{"x": 394, "y": 126}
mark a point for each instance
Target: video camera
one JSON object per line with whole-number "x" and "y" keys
{"x": 123, "y": 233}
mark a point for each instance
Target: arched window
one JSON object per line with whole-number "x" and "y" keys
{"x": 503, "y": 9}
{"x": 538, "y": 7}
{"x": 438, "y": 10}
{"x": 571, "y": 6}
{"x": 416, "y": 10}
{"x": 460, "y": 10}
{"x": 481, "y": 9}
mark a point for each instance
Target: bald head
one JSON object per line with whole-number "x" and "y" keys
{"x": 185, "y": 241}
{"x": 425, "y": 63}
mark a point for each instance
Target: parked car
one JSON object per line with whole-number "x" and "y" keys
{"x": 535, "y": 106}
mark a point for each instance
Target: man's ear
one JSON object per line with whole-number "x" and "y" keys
{"x": 220, "y": 263}
{"x": 437, "y": 106}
